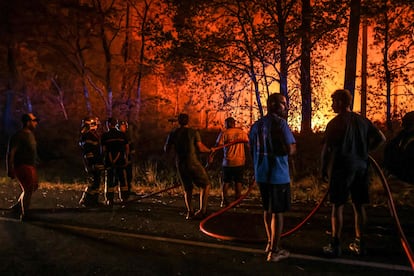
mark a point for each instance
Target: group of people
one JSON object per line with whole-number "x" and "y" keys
{"x": 108, "y": 155}
{"x": 347, "y": 141}
{"x": 270, "y": 144}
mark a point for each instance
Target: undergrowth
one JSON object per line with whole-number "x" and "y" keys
{"x": 155, "y": 176}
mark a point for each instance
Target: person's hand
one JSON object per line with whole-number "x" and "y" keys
{"x": 210, "y": 159}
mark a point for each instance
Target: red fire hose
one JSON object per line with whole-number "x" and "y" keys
{"x": 403, "y": 239}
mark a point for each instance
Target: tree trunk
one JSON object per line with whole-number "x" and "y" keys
{"x": 364, "y": 68}
{"x": 283, "y": 52}
{"x": 257, "y": 93}
{"x": 352, "y": 47}
{"x": 12, "y": 79}
{"x": 141, "y": 58}
{"x": 388, "y": 79}
{"x": 305, "y": 80}
{"x": 86, "y": 96}
{"x": 60, "y": 98}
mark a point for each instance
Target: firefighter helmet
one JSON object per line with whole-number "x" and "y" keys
{"x": 89, "y": 124}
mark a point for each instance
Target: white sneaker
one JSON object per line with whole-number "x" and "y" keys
{"x": 278, "y": 255}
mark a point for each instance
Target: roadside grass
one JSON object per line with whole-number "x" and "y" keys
{"x": 152, "y": 177}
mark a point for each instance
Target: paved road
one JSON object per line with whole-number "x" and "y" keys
{"x": 151, "y": 237}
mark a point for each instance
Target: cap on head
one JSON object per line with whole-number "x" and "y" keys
{"x": 183, "y": 119}
{"x": 29, "y": 117}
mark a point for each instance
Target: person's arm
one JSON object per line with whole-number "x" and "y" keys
{"x": 167, "y": 145}
{"x": 377, "y": 139}
{"x": 291, "y": 149}
{"x": 220, "y": 139}
{"x": 326, "y": 160}
{"x": 204, "y": 148}
{"x": 10, "y": 161}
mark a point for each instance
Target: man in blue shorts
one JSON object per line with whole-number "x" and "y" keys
{"x": 348, "y": 139}
{"x": 271, "y": 143}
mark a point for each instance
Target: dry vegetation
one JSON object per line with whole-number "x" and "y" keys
{"x": 308, "y": 189}
{"x": 157, "y": 172}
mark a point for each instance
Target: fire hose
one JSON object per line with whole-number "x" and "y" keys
{"x": 403, "y": 239}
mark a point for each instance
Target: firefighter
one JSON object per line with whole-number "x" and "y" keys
{"x": 92, "y": 160}
{"x": 115, "y": 149}
{"x": 125, "y": 190}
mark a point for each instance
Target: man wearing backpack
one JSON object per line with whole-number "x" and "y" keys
{"x": 348, "y": 139}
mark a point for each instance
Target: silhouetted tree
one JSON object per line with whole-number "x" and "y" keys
{"x": 352, "y": 46}
{"x": 393, "y": 33}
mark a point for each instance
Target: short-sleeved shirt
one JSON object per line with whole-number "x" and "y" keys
{"x": 348, "y": 135}
{"x": 115, "y": 143}
{"x": 25, "y": 143}
{"x": 269, "y": 140}
{"x": 234, "y": 155}
{"x": 185, "y": 142}
{"x": 188, "y": 164}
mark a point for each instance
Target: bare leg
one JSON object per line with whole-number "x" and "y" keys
{"x": 224, "y": 194}
{"x": 188, "y": 195}
{"x": 337, "y": 221}
{"x": 25, "y": 199}
{"x": 273, "y": 226}
{"x": 238, "y": 190}
{"x": 267, "y": 223}
{"x": 360, "y": 220}
{"x": 277, "y": 227}
{"x": 204, "y": 193}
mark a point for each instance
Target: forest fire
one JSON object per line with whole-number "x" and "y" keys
{"x": 146, "y": 61}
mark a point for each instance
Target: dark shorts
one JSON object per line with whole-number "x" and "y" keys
{"x": 231, "y": 174}
{"x": 346, "y": 182}
{"x": 275, "y": 197}
{"x": 193, "y": 173}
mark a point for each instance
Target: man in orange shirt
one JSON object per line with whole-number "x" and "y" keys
{"x": 234, "y": 158}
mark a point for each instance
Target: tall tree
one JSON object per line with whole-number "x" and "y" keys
{"x": 393, "y": 33}
{"x": 305, "y": 76}
{"x": 222, "y": 35}
{"x": 352, "y": 46}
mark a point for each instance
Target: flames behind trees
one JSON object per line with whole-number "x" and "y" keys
{"x": 145, "y": 61}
